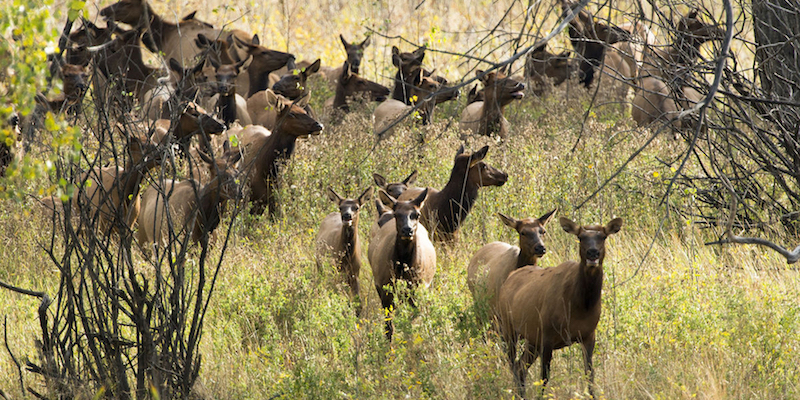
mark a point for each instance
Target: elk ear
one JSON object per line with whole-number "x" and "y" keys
{"x": 313, "y": 68}
{"x": 333, "y": 196}
{"x": 205, "y": 157}
{"x": 460, "y": 151}
{"x": 202, "y": 41}
{"x": 272, "y": 100}
{"x": 302, "y": 102}
{"x": 613, "y": 226}
{"x": 544, "y": 219}
{"x": 214, "y": 62}
{"x": 366, "y": 42}
{"x": 176, "y": 66}
{"x": 386, "y": 198}
{"x": 419, "y": 53}
{"x": 692, "y": 14}
{"x": 256, "y": 41}
{"x": 568, "y": 225}
{"x": 541, "y": 49}
{"x": 344, "y": 42}
{"x": 479, "y": 155}
{"x": 508, "y": 221}
{"x": 420, "y": 200}
{"x": 395, "y": 56}
{"x": 411, "y": 178}
{"x": 365, "y": 196}
{"x": 189, "y": 16}
{"x": 381, "y": 208}
{"x": 233, "y": 156}
{"x": 379, "y": 180}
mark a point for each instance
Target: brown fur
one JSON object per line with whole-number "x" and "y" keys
{"x": 446, "y": 210}
{"x": 401, "y": 250}
{"x": 486, "y": 117}
{"x": 491, "y": 265}
{"x": 423, "y": 91}
{"x": 338, "y": 239}
{"x": 350, "y": 84}
{"x": 264, "y": 155}
{"x": 394, "y": 189}
{"x": 555, "y": 307}
{"x": 543, "y": 68}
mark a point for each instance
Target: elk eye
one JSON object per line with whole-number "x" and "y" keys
{"x": 543, "y": 232}
{"x": 415, "y": 215}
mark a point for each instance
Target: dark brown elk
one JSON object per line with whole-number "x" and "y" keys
{"x": 170, "y": 207}
{"x": 446, "y": 210}
{"x": 265, "y": 153}
{"x": 186, "y": 84}
{"x": 407, "y": 65}
{"x": 590, "y": 37}
{"x": 492, "y": 264}
{"x": 486, "y": 117}
{"x": 555, "y": 307}
{"x": 423, "y": 99}
{"x": 543, "y": 68}
{"x": 394, "y": 189}
{"x": 121, "y": 61}
{"x": 89, "y": 35}
{"x": 655, "y": 99}
{"x": 229, "y": 105}
{"x": 192, "y": 121}
{"x": 401, "y": 250}
{"x": 108, "y": 197}
{"x": 355, "y": 53}
{"x": 350, "y": 85}
{"x": 264, "y": 62}
{"x": 338, "y": 240}
{"x": 293, "y": 85}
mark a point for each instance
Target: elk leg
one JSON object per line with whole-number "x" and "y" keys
{"x": 547, "y": 356}
{"x": 352, "y": 281}
{"x": 588, "y": 349}
{"x": 387, "y": 301}
{"x": 527, "y": 358}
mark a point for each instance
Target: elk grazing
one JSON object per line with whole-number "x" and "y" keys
{"x": 543, "y": 68}
{"x": 555, "y": 307}
{"x": 108, "y": 197}
{"x": 394, "y": 189}
{"x": 492, "y": 264}
{"x": 193, "y": 207}
{"x": 446, "y": 210}
{"x": 350, "y": 84}
{"x": 401, "y": 250}
{"x": 265, "y": 153}
{"x": 486, "y": 117}
{"x": 589, "y": 38}
{"x": 338, "y": 239}
{"x": 655, "y": 99}
{"x": 423, "y": 92}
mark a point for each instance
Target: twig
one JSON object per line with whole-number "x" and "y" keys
{"x": 14, "y": 359}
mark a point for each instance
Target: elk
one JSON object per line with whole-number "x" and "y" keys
{"x": 264, "y": 111}
{"x": 292, "y": 87}
{"x": 589, "y": 38}
{"x": 543, "y": 68}
{"x": 555, "y": 307}
{"x": 486, "y": 117}
{"x": 338, "y": 239}
{"x": 265, "y": 153}
{"x": 492, "y": 264}
{"x": 192, "y": 121}
{"x": 170, "y": 207}
{"x": 108, "y": 197}
{"x": 165, "y": 100}
{"x": 401, "y": 250}
{"x": 446, "y": 210}
{"x": 230, "y": 106}
{"x": 394, "y": 189}
{"x": 264, "y": 62}
{"x": 656, "y": 99}
{"x": 355, "y": 53}
{"x": 423, "y": 91}
{"x": 407, "y": 65}
{"x": 351, "y": 83}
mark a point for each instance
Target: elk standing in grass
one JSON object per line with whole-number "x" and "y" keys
{"x": 446, "y": 210}
{"x": 265, "y": 152}
{"x": 492, "y": 264}
{"x": 555, "y": 307}
{"x": 401, "y": 250}
{"x": 338, "y": 239}
{"x": 486, "y": 117}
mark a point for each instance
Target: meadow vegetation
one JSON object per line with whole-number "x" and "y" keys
{"x": 680, "y": 319}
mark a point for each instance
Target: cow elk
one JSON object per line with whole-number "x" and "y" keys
{"x": 171, "y": 207}
{"x": 486, "y": 117}
{"x": 350, "y": 84}
{"x": 230, "y": 106}
{"x": 338, "y": 239}
{"x": 423, "y": 91}
{"x": 446, "y": 210}
{"x": 555, "y": 307}
{"x": 395, "y": 189}
{"x": 492, "y": 264}
{"x": 265, "y": 153}
{"x": 401, "y": 250}
{"x": 543, "y": 69}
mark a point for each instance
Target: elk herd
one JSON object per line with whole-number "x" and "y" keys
{"x": 234, "y": 109}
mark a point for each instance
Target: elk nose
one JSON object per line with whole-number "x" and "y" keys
{"x": 407, "y": 231}
{"x": 593, "y": 254}
{"x": 347, "y": 217}
{"x": 539, "y": 249}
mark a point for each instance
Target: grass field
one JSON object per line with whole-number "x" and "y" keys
{"x": 680, "y": 320}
